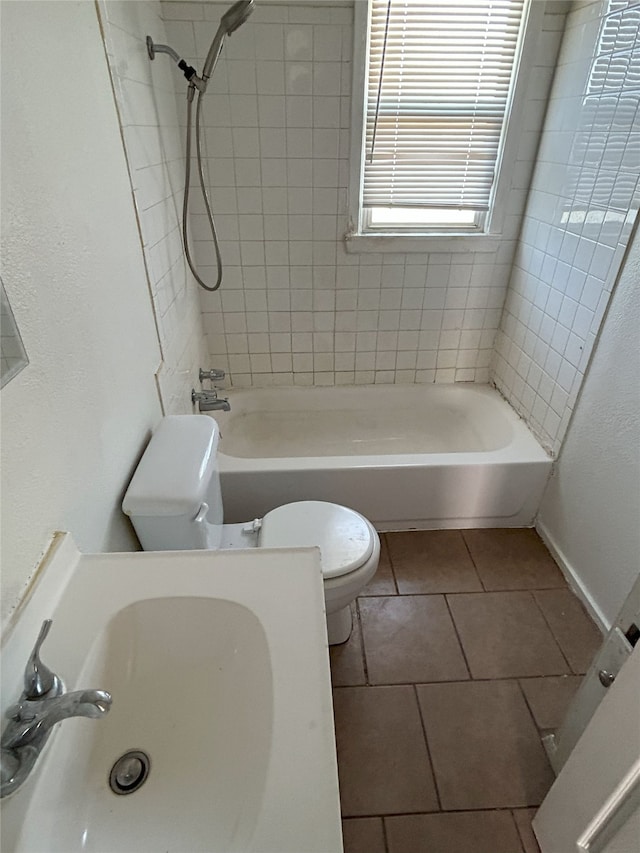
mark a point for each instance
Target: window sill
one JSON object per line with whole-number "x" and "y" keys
{"x": 399, "y": 243}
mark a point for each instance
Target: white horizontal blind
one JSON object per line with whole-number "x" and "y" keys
{"x": 439, "y": 79}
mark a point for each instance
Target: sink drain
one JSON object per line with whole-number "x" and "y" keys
{"x": 129, "y": 772}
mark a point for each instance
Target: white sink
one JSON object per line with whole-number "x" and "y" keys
{"x": 215, "y": 676}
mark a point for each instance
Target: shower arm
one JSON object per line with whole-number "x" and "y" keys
{"x": 189, "y": 71}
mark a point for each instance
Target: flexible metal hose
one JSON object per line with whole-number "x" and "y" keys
{"x": 185, "y": 204}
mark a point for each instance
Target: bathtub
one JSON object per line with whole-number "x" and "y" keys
{"x": 406, "y": 457}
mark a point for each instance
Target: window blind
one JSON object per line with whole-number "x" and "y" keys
{"x": 437, "y": 91}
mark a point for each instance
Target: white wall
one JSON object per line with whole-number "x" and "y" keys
{"x": 75, "y": 420}
{"x": 155, "y": 155}
{"x": 580, "y": 211}
{"x": 295, "y": 307}
{"x": 590, "y": 512}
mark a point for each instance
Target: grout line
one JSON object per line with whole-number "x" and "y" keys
{"x": 555, "y": 639}
{"x": 455, "y": 628}
{"x": 393, "y": 574}
{"x": 464, "y": 680}
{"x": 529, "y": 708}
{"x": 533, "y": 677}
{"x": 384, "y": 834}
{"x": 518, "y": 833}
{"x": 426, "y": 743}
{"x": 464, "y": 591}
{"x": 396, "y": 814}
{"x": 475, "y": 568}
{"x": 445, "y": 811}
{"x": 363, "y": 652}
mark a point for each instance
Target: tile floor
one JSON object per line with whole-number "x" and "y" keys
{"x": 467, "y": 646}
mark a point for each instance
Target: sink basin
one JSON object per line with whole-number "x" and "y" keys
{"x": 192, "y": 685}
{"x": 217, "y": 681}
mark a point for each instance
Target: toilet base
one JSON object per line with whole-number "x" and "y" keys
{"x": 339, "y": 625}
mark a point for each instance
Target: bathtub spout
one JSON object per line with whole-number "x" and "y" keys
{"x": 208, "y": 401}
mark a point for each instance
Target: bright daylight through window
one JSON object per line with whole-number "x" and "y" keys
{"x": 438, "y": 87}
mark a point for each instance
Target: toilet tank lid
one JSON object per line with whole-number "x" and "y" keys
{"x": 173, "y": 475}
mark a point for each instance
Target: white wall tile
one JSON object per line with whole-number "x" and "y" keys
{"x": 574, "y": 232}
{"x": 148, "y": 115}
{"x": 277, "y": 162}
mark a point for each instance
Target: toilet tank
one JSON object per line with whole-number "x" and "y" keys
{"x": 174, "y": 498}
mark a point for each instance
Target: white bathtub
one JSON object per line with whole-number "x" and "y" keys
{"x": 416, "y": 456}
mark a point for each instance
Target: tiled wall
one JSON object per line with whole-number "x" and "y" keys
{"x": 579, "y": 216}
{"x": 152, "y": 136}
{"x": 295, "y": 308}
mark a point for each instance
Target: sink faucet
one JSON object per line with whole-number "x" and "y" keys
{"x": 41, "y": 705}
{"x": 208, "y": 401}
{"x": 34, "y": 718}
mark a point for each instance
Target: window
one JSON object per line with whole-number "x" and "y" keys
{"x": 438, "y": 83}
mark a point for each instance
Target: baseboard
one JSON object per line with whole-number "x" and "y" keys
{"x": 573, "y": 578}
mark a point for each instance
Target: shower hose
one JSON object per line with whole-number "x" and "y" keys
{"x": 187, "y": 180}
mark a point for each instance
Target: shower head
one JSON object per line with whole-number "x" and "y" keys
{"x": 236, "y": 15}
{"x": 229, "y": 23}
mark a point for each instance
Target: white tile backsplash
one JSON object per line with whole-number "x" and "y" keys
{"x": 279, "y": 113}
{"x": 579, "y": 215}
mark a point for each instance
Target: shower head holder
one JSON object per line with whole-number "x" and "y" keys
{"x": 188, "y": 70}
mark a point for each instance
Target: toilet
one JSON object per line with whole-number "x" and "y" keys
{"x": 174, "y": 501}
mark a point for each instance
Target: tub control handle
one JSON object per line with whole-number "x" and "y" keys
{"x": 202, "y": 513}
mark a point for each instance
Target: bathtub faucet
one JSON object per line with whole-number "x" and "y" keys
{"x": 208, "y": 401}
{"x": 214, "y": 374}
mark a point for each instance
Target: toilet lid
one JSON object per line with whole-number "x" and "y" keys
{"x": 342, "y": 535}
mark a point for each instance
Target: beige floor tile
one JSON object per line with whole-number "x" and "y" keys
{"x": 410, "y": 638}
{"x": 347, "y": 659}
{"x": 575, "y": 631}
{"x": 549, "y": 698}
{"x": 485, "y": 748}
{"x": 383, "y": 582}
{"x": 523, "y": 818}
{"x": 513, "y": 559}
{"x": 459, "y": 832}
{"x": 363, "y": 835}
{"x": 432, "y": 561}
{"x": 504, "y": 635}
{"x": 383, "y": 762}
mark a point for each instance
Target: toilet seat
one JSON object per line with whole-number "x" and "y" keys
{"x": 343, "y": 535}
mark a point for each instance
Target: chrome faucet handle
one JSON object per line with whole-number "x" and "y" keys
{"x": 214, "y": 375}
{"x": 38, "y": 678}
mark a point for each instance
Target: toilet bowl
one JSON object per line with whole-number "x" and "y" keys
{"x": 174, "y": 501}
